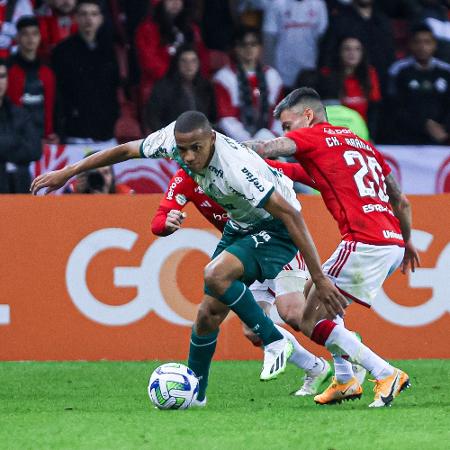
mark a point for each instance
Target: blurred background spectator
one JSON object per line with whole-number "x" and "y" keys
{"x": 19, "y": 142}
{"x": 31, "y": 83}
{"x": 99, "y": 181}
{"x": 420, "y": 94}
{"x": 182, "y": 89}
{"x": 87, "y": 80}
{"x": 158, "y": 37}
{"x": 292, "y": 30}
{"x": 122, "y": 68}
{"x": 363, "y": 20}
{"x": 436, "y": 14}
{"x": 56, "y": 22}
{"x": 247, "y": 91}
{"x": 10, "y": 12}
{"x": 353, "y": 81}
{"x": 217, "y": 21}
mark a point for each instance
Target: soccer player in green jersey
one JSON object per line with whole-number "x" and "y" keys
{"x": 264, "y": 231}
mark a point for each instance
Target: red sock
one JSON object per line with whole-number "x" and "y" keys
{"x": 322, "y": 330}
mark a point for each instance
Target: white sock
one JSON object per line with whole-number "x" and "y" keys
{"x": 358, "y": 352}
{"x": 343, "y": 370}
{"x": 301, "y": 357}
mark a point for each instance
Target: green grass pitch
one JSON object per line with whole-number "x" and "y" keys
{"x": 104, "y": 405}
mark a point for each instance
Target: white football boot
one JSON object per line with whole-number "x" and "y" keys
{"x": 198, "y": 403}
{"x": 276, "y": 356}
{"x": 312, "y": 383}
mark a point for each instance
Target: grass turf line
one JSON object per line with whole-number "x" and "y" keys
{"x": 104, "y": 405}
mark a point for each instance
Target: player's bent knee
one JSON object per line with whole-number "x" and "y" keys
{"x": 290, "y": 308}
{"x": 216, "y": 278}
{"x": 290, "y": 314}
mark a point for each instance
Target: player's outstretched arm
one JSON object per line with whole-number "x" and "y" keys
{"x": 274, "y": 148}
{"x": 58, "y": 178}
{"x": 278, "y": 207}
{"x": 402, "y": 210}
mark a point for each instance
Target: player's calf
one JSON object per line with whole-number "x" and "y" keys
{"x": 210, "y": 315}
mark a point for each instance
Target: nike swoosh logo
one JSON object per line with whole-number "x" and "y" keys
{"x": 390, "y": 397}
{"x": 346, "y": 390}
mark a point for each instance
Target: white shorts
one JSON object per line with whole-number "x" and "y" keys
{"x": 359, "y": 270}
{"x": 291, "y": 279}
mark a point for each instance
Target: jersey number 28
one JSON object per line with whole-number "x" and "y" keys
{"x": 374, "y": 186}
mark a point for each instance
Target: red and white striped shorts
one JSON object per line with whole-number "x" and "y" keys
{"x": 359, "y": 270}
{"x": 291, "y": 279}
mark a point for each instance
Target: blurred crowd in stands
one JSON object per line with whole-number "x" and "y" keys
{"x": 91, "y": 71}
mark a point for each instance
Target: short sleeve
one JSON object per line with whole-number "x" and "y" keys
{"x": 301, "y": 140}
{"x": 248, "y": 183}
{"x": 160, "y": 144}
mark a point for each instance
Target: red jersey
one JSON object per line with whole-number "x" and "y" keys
{"x": 183, "y": 189}
{"x": 349, "y": 172}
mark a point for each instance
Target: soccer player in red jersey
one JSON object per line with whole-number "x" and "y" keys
{"x": 374, "y": 219}
{"x": 286, "y": 290}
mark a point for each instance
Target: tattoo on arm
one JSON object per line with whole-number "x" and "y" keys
{"x": 256, "y": 146}
{"x": 271, "y": 149}
{"x": 400, "y": 205}
{"x": 393, "y": 189}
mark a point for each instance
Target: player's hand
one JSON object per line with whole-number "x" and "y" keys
{"x": 174, "y": 220}
{"x": 334, "y": 302}
{"x": 52, "y": 181}
{"x": 411, "y": 260}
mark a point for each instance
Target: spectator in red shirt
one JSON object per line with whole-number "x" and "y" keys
{"x": 247, "y": 91}
{"x": 158, "y": 38}
{"x": 353, "y": 81}
{"x": 32, "y": 84}
{"x": 57, "y": 25}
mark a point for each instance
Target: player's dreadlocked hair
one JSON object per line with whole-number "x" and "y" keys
{"x": 190, "y": 121}
{"x": 305, "y": 97}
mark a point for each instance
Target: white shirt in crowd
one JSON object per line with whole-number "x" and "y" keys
{"x": 297, "y": 27}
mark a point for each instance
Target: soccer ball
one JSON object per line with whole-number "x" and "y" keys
{"x": 173, "y": 386}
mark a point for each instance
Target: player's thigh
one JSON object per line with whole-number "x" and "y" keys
{"x": 290, "y": 282}
{"x": 224, "y": 267}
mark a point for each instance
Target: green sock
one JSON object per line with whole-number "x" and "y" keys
{"x": 239, "y": 299}
{"x": 201, "y": 351}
